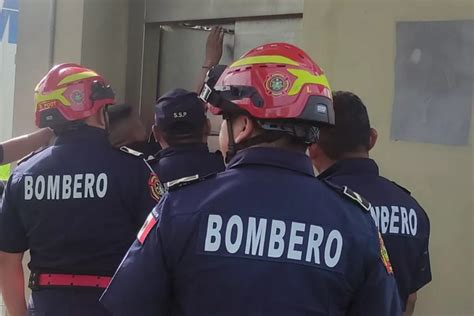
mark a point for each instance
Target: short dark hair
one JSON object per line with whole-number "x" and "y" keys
{"x": 352, "y": 130}
{"x": 118, "y": 113}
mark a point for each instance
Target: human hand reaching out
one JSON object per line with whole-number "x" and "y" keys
{"x": 214, "y": 45}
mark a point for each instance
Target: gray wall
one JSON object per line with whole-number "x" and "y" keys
{"x": 185, "y": 10}
{"x": 32, "y": 59}
{"x": 104, "y": 41}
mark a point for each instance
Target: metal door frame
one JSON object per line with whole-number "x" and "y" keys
{"x": 142, "y": 61}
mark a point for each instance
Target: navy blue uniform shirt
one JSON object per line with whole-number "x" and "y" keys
{"x": 76, "y": 205}
{"x": 187, "y": 160}
{"x": 403, "y": 223}
{"x": 264, "y": 237}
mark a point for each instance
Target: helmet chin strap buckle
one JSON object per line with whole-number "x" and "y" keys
{"x": 205, "y": 93}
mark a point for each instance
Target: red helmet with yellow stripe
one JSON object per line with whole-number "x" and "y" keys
{"x": 70, "y": 92}
{"x": 275, "y": 81}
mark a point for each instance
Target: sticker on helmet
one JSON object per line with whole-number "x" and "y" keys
{"x": 77, "y": 96}
{"x": 156, "y": 188}
{"x": 321, "y": 108}
{"x": 46, "y": 105}
{"x": 277, "y": 84}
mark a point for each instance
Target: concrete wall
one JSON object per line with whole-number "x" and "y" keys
{"x": 32, "y": 59}
{"x": 354, "y": 41}
{"x": 188, "y": 10}
{"x": 93, "y": 33}
{"x": 104, "y": 41}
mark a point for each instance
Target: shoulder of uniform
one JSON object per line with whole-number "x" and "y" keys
{"x": 349, "y": 194}
{"x": 403, "y": 188}
{"x": 181, "y": 182}
{"x": 138, "y": 154}
{"x": 132, "y": 152}
{"x": 151, "y": 159}
{"x": 31, "y": 155}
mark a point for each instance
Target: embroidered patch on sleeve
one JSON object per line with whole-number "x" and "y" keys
{"x": 150, "y": 222}
{"x": 156, "y": 188}
{"x": 384, "y": 256}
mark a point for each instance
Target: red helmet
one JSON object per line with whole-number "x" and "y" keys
{"x": 273, "y": 81}
{"x": 70, "y": 92}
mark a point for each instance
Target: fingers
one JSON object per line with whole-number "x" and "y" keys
{"x": 221, "y": 35}
{"x": 215, "y": 32}
{"x": 218, "y": 30}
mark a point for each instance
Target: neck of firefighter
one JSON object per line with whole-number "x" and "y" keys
{"x": 245, "y": 128}
{"x": 97, "y": 120}
{"x": 327, "y": 153}
{"x": 321, "y": 160}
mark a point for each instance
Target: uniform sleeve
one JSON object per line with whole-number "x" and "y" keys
{"x": 142, "y": 281}
{"x": 1, "y": 154}
{"x": 378, "y": 294}
{"x": 12, "y": 232}
{"x": 423, "y": 269}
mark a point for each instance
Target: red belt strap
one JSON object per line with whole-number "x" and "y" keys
{"x": 47, "y": 279}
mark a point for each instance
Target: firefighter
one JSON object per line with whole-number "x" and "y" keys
{"x": 264, "y": 237}
{"x": 342, "y": 155}
{"x": 76, "y": 206}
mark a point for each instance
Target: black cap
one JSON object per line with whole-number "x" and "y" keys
{"x": 180, "y": 111}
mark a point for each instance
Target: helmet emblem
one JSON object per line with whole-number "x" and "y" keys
{"x": 277, "y": 84}
{"x": 77, "y": 96}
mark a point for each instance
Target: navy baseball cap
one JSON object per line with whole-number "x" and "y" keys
{"x": 180, "y": 111}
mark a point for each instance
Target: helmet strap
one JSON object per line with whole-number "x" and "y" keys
{"x": 231, "y": 145}
{"x": 106, "y": 119}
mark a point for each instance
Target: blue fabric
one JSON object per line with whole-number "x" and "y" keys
{"x": 402, "y": 221}
{"x": 187, "y": 160}
{"x": 67, "y": 301}
{"x": 77, "y": 205}
{"x": 179, "y": 107}
{"x": 264, "y": 237}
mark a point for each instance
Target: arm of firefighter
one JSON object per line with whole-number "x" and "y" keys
{"x": 213, "y": 54}
{"x": 378, "y": 295}
{"x": 142, "y": 281}
{"x": 12, "y": 283}
{"x": 422, "y": 274}
{"x": 410, "y": 307}
{"x": 16, "y": 148}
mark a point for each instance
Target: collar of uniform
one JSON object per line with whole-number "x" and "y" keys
{"x": 351, "y": 166}
{"x": 182, "y": 149}
{"x": 83, "y": 133}
{"x": 280, "y": 158}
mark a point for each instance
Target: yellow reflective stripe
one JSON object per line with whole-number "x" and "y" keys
{"x": 53, "y": 95}
{"x": 5, "y": 172}
{"x": 266, "y": 59}
{"x": 304, "y": 77}
{"x": 79, "y": 76}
